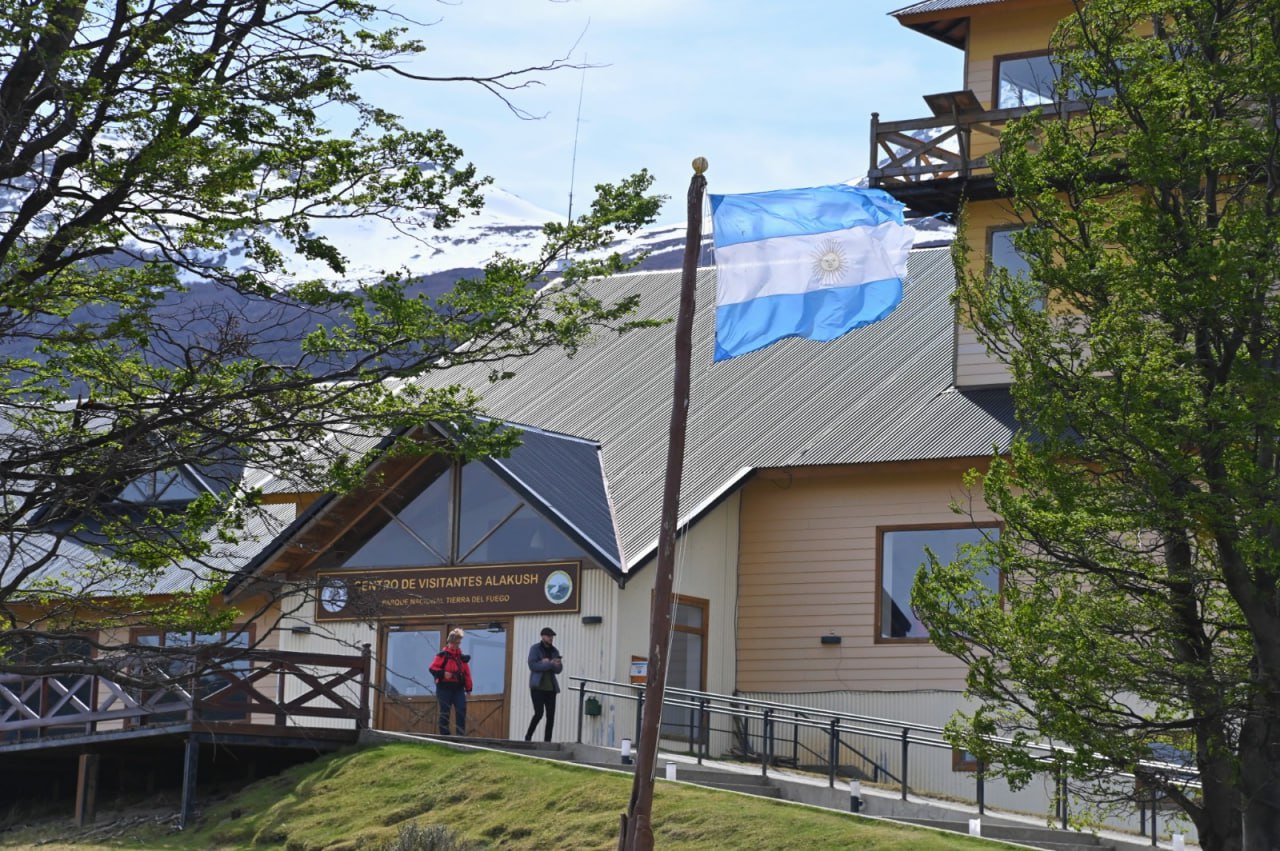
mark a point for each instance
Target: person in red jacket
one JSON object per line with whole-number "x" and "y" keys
{"x": 453, "y": 683}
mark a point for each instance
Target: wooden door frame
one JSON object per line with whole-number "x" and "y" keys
{"x": 444, "y": 624}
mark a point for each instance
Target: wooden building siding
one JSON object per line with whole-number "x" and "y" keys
{"x": 1007, "y": 29}
{"x": 975, "y": 368}
{"x": 1004, "y": 30}
{"x": 589, "y": 651}
{"x": 335, "y": 637}
{"x": 807, "y": 569}
{"x": 706, "y": 569}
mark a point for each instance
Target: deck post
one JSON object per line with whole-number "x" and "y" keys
{"x": 366, "y": 674}
{"x": 190, "y": 770}
{"x": 87, "y": 789}
{"x": 874, "y": 166}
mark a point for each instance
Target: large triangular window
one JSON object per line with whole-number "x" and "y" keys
{"x": 455, "y": 514}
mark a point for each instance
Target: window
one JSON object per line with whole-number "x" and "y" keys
{"x": 1003, "y": 254}
{"x": 687, "y": 666}
{"x": 902, "y": 553}
{"x": 209, "y": 682}
{"x": 1028, "y": 80}
{"x": 1023, "y": 81}
{"x": 453, "y": 514}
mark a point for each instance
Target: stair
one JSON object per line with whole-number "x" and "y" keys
{"x": 1035, "y": 837}
{"x": 748, "y": 784}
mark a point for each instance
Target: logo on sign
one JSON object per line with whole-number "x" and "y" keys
{"x": 558, "y": 587}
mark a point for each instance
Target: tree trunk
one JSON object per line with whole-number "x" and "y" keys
{"x": 1218, "y": 819}
{"x": 1260, "y": 780}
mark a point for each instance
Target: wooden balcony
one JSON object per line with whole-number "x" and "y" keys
{"x": 266, "y": 689}
{"x": 246, "y": 704}
{"x": 932, "y": 164}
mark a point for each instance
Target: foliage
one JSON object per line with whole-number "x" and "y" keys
{"x": 151, "y": 385}
{"x": 1140, "y": 615}
{"x": 416, "y": 837}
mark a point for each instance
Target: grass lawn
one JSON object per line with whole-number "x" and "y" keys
{"x": 360, "y": 799}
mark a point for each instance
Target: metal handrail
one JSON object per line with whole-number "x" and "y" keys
{"x": 835, "y": 724}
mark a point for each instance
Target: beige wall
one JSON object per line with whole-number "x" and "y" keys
{"x": 706, "y": 568}
{"x": 807, "y": 569}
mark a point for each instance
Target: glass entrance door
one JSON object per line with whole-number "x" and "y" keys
{"x": 487, "y": 705}
{"x": 408, "y": 699}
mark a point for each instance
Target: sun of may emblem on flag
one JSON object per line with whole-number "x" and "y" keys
{"x": 830, "y": 263}
{"x": 813, "y": 263}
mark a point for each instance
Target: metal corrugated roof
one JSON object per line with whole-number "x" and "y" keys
{"x": 564, "y": 476}
{"x": 880, "y": 393}
{"x": 941, "y": 6}
{"x": 945, "y": 20}
{"x": 82, "y": 568}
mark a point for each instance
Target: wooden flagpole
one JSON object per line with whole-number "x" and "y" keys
{"x": 637, "y": 827}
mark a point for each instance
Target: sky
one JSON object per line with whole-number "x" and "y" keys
{"x": 775, "y": 95}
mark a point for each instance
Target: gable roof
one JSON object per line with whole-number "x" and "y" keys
{"x": 559, "y": 474}
{"x": 563, "y": 476}
{"x": 881, "y": 393}
{"x": 941, "y": 6}
{"x": 941, "y": 19}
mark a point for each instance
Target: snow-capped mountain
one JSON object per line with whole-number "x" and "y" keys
{"x": 507, "y": 225}
{"x": 432, "y": 261}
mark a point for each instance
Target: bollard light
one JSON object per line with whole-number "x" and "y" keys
{"x": 626, "y": 751}
{"x": 975, "y": 827}
{"x": 855, "y": 796}
{"x": 1179, "y": 843}
{"x": 671, "y": 771}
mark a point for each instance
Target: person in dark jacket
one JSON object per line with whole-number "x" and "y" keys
{"x": 453, "y": 683}
{"x": 545, "y": 662}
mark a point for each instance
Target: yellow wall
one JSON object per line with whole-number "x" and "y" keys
{"x": 807, "y": 569}
{"x": 973, "y": 366}
{"x": 1005, "y": 28}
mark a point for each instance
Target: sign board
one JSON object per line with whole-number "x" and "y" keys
{"x": 453, "y": 591}
{"x": 639, "y": 669}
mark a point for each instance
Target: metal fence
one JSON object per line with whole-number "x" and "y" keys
{"x": 846, "y": 745}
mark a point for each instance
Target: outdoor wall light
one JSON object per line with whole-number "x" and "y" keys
{"x": 300, "y": 629}
{"x": 592, "y": 619}
{"x": 831, "y": 639}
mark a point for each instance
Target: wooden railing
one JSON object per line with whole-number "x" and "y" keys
{"x": 250, "y": 686}
{"x": 941, "y": 147}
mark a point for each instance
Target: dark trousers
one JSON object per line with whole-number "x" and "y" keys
{"x": 542, "y": 701}
{"x": 455, "y": 698}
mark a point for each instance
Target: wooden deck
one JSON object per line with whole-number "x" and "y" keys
{"x": 932, "y": 164}
{"x": 265, "y": 701}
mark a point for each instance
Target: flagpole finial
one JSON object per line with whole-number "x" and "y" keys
{"x": 699, "y": 165}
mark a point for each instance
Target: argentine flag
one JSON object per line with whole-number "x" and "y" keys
{"x": 813, "y": 263}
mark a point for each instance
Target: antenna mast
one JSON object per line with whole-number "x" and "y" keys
{"x": 577, "y": 125}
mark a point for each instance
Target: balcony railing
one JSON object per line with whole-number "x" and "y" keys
{"x": 954, "y": 146}
{"x": 268, "y": 687}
